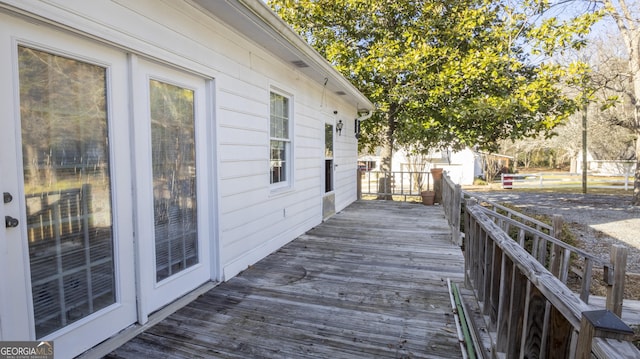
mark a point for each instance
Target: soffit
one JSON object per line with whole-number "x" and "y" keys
{"x": 257, "y": 22}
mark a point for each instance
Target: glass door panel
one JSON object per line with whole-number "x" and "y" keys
{"x": 174, "y": 178}
{"x": 172, "y": 165}
{"x": 329, "y": 197}
{"x": 65, "y": 151}
{"x": 328, "y": 158}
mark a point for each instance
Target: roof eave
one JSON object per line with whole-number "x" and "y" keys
{"x": 256, "y": 21}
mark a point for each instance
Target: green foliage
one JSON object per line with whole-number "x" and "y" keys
{"x": 479, "y": 182}
{"x": 446, "y": 73}
{"x": 566, "y": 235}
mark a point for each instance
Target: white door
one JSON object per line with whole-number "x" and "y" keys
{"x": 66, "y": 249}
{"x": 172, "y": 183}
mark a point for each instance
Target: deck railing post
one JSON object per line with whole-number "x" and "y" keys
{"x": 600, "y": 324}
{"x": 452, "y": 205}
{"x": 557, "y": 221}
{"x": 436, "y": 174}
{"x": 615, "y": 283}
{"x": 469, "y": 242}
{"x": 456, "y": 202}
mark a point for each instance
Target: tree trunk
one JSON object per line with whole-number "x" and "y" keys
{"x": 635, "y": 76}
{"x": 634, "y": 63}
{"x": 385, "y": 184}
{"x": 636, "y": 183}
{"x": 630, "y": 30}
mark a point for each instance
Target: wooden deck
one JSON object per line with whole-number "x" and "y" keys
{"x": 371, "y": 282}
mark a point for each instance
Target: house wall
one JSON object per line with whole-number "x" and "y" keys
{"x": 255, "y": 219}
{"x": 249, "y": 217}
{"x": 462, "y": 166}
{"x": 603, "y": 167}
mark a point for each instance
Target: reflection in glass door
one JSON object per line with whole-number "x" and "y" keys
{"x": 174, "y": 178}
{"x": 172, "y": 159}
{"x": 65, "y": 151}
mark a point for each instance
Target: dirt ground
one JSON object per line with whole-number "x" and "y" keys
{"x": 597, "y": 221}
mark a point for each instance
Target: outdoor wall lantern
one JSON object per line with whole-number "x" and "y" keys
{"x": 339, "y": 128}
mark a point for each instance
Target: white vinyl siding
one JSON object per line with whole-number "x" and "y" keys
{"x": 250, "y": 217}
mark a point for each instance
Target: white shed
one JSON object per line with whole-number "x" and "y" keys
{"x": 151, "y": 146}
{"x": 462, "y": 166}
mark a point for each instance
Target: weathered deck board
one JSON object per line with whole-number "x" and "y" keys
{"x": 369, "y": 282}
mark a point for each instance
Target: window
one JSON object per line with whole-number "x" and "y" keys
{"x": 366, "y": 165}
{"x": 280, "y": 141}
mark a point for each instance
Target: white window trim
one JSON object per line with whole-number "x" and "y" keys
{"x": 287, "y": 184}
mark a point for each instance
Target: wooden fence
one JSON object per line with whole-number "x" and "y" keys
{"x": 565, "y": 180}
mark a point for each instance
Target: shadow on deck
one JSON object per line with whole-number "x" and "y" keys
{"x": 369, "y": 282}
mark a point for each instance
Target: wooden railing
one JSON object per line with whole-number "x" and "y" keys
{"x": 451, "y": 201}
{"x": 59, "y": 214}
{"x": 396, "y": 183}
{"x": 552, "y": 230}
{"x": 71, "y": 257}
{"x": 542, "y": 241}
{"x": 529, "y": 310}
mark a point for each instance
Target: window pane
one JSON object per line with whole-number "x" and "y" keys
{"x": 328, "y": 175}
{"x": 328, "y": 154}
{"x": 279, "y": 116}
{"x": 273, "y": 114}
{"x": 278, "y": 161}
{"x": 174, "y": 178}
{"x": 65, "y": 155}
{"x": 328, "y": 141}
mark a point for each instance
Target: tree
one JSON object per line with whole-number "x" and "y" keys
{"x": 418, "y": 164}
{"x": 446, "y": 73}
{"x": 611, "y": 118}
{"x": 626, "y": 15}
{"x": 606, "y": 141}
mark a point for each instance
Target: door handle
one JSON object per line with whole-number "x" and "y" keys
{"x": 10, "y": 222}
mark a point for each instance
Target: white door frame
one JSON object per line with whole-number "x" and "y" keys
{"x": 16, "y": 308}
{"x": 154, "y": 295}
